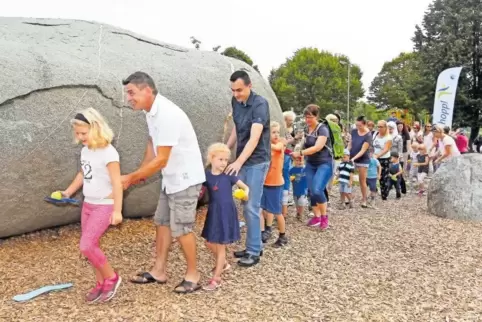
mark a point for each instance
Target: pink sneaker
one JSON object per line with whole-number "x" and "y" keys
{"x": 314, "y": 222}
{"x": 110, "y": 288}
{"x": 324, "y": 222}
{"x": 94, "y": 294}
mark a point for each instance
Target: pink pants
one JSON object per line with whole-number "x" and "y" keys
{"x": 95, "y": 219}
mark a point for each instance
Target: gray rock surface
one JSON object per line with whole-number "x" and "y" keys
{"x": 50, "y": 68}
{"x": 455, "y": 191}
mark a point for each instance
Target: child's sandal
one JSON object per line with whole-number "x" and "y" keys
{"x": 226, "y": 267}
{"x": 212, "y": 285}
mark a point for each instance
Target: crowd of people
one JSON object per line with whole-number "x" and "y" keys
{"x": 269, "y": 168}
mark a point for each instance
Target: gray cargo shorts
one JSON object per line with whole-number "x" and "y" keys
{"x": 178, "y": 210}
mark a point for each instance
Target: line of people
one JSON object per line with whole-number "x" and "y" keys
{"x": 259, "y": 169}
{"x": 172, "y": 148}
{"x": 391, "y": 154}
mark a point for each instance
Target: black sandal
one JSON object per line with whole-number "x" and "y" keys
{"x": 146, "y": 278}
{"x": 188, "y": 287}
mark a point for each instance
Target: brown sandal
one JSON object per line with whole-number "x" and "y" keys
{"x": 187, "y": 287}
{"x": 146, "y": 278}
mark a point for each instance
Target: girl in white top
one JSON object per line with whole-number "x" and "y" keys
{"x": 382, "y": 143}
{"x": 101, "y": 180}
{"x": 449, "y": 148}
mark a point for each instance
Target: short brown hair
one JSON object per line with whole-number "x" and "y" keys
{"x": 312, "y": 110}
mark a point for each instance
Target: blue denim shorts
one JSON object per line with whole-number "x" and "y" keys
{"x": 271, "y": 199}
{"x": 372, "y": 184}
{"x": 344, "y": 187}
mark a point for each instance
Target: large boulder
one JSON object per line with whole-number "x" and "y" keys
{"x": 455, "y": 190}
{"x": 49, "y": 69}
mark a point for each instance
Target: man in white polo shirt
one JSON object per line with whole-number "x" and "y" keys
{"x": 173, "y": 148}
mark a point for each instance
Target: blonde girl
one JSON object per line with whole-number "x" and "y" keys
{"x": 222, "y": 225}
{"x": 101, "y": 181}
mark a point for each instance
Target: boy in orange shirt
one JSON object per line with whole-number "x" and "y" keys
{"x": 273, "y": 190}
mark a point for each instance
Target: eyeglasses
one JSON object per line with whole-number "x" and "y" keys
{"x": 380, "y": 127}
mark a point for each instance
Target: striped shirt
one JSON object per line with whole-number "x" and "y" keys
{"x": 344, "y": 170}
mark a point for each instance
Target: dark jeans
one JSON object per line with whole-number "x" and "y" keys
{"x": 395, "y": 183}
{"x": 403, "y": 185}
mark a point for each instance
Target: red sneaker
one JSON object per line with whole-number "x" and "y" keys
{"x": 94, "y": 294}
{"x": 110, "y": 288}
{"x": 314, "y": 222}
{"x": 324, "y": 222}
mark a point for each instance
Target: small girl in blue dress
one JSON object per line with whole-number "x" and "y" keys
{"x": 222, "y": 225}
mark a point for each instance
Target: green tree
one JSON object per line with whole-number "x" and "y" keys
{"x": 317, "y": 77}
{"x": 450, "y": 36}
{"x": 239, "y": 54}
{"x": 370, "y": 111}
{"x": 401, "y": 84}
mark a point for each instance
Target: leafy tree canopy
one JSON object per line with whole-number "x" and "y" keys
{"x": 401, "y": 84}
{"x": 318, "y": 77}
{"x": 239, "y": 54}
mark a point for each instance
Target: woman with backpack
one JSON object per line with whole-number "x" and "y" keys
{"x": 318, "y": 152}
{"x": 361, "y": 139}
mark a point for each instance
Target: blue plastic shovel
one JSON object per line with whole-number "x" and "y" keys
{"x": 46, "y": 289}
{"x": 63, "y": 201}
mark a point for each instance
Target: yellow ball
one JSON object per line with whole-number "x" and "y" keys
{"x": 292, "y": 178}
{"x": 56, "y": 195}
{"x": 239, "y": 194}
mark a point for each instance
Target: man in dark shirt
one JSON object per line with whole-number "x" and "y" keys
{"x": 253, "y": 155}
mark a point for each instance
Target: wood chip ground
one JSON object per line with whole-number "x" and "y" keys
{"x": 394, "y": 263}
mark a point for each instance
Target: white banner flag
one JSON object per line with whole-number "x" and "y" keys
{"x": 443, "y": 109}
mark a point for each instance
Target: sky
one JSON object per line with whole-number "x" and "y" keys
{"x": 369, "y": 32}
